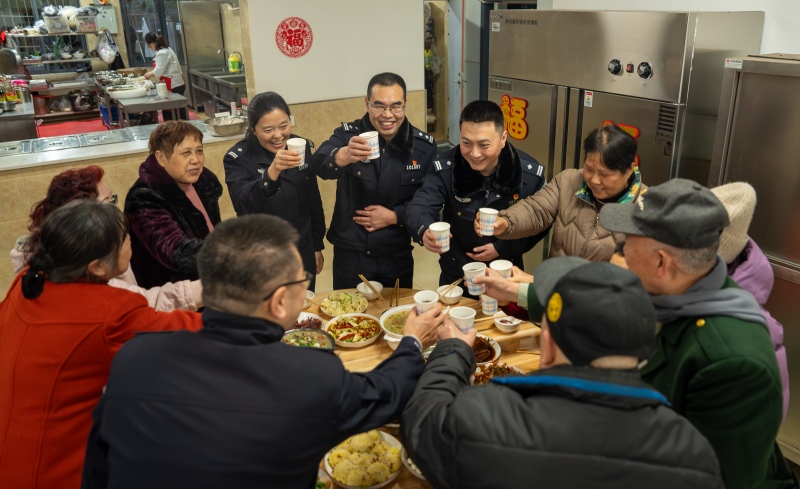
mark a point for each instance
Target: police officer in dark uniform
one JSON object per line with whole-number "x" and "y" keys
{"x": 263, "y": 176}
{"x": 483, "y": 171}
{"x": 367, "y": 229}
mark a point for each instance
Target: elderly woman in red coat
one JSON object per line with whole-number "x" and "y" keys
{"x": 60, "y": 326}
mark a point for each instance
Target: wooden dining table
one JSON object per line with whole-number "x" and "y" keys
{"x": 519, "y": 349}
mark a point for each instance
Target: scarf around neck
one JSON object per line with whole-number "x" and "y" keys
{"x": 707, "y": 298}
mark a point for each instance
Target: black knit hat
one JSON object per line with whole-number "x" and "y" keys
{"x": 595, "y": 309}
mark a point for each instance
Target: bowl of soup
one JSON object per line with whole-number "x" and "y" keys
{"x": 393, "y": 320}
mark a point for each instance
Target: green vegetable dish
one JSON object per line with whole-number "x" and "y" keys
{"x": 308, "y": 338}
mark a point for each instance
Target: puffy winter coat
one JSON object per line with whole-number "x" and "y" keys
{"x": 576, "y": 230}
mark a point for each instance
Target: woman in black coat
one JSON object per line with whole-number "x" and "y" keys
{"x": 263, "y": 175}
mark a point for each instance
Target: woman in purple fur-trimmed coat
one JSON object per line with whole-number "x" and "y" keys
{"x": 172, "y": 207}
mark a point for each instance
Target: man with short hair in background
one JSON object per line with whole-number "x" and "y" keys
{"x": 714, "y": 359}
{"x": 485, "y": 170}
{"x": 367, "y": 228}
{"x": 231, "y": 405}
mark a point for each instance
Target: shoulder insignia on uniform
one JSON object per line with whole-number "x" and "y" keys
{"x": 239, "y": 149}
{"x": 530, "y": 167}
{"x": 425, "y": 136}
{"x": 540, "y": 171}
{"x": 233, "y": 155}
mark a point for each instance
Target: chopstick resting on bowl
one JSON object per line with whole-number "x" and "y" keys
{"x": 449, "y": 288}
{"x": 396, "y": 293}
{"x": 364, "y": 279}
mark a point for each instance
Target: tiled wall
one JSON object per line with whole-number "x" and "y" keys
{"x": 21, "y": 189}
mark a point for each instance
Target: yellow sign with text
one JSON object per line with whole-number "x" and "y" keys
{"x": 514, "y": 112}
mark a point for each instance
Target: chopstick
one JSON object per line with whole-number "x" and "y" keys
{"x": 363, "y": 278}
{"x": 396, "y": 293}
{"x": 449, "y": 288}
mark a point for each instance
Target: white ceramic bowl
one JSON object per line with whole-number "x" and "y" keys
{"x": 366, "y": 292}
{"x": 392, "y": 341}
{"x": 385, "y": 316}
{"x": 507, "y": 324}
{"x": 453, "y": 296}
{"x": 385, "y": 437}
{"x": 309, "y": 297}
{"x": 65, "y": 55}
{"x": 347, "y": 344}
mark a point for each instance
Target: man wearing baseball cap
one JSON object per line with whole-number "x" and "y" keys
{"x": 714, "y": 360}
{"x": 586, "y": 419}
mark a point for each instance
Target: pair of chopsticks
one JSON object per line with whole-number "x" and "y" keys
{"x": 369, "y": 285}
{"x": 449, "y": 288}
{"x": 395, "y": 294}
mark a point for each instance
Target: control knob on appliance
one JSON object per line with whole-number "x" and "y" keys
{"x": 615, "y": 67}
{"x": 645, "y": 70}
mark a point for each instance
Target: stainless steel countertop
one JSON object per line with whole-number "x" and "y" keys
{"x": 92, "y": 152}
{"x": 23, "y": 111}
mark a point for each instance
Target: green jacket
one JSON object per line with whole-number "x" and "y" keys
{"x": 721, "y": 373}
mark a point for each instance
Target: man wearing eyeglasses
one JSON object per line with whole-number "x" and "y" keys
{"x": 367, "y": 228}
{"x": 233, "y": 406}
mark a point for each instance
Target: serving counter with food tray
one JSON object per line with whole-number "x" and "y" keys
{"x": 127, "y": 106}
{"x": 519, "y": 349}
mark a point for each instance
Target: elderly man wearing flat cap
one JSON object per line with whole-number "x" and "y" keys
{"x": 586, "y": 419}
{"x": 714, "y": 360}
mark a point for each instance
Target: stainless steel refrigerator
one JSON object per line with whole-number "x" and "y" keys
{"x": 560, "y": 74}
{"x": 198, "y": 26}
{"x": 756, "y": 142}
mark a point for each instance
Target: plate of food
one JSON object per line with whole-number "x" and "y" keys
{"x": 343, "y": 302}
{"x": 393, "y": 320}
{"x": 354, "y": 330}
{"x": 410, "y": 465}
{"x": 309, "y": 338}
{"x": 368, "y": 460}
{"x": 308, "y": 320}
{"x": 485, "y": 349}
{"x": 485, "y": 373}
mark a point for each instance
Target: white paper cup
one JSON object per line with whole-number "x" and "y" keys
{"x": 487, "y": 219}
{"x": 442, "y": 232}
{"x": 372, "y": 141}
{"x": 299, "y": 145}
{"x": 488, "y": 305}
{"x": 425, "y": 300}
{"x": 463, "y": 318}
{"x": 472, "y": 270}
{"x": 503, "y": 267}
{"x": 161, "y": 89}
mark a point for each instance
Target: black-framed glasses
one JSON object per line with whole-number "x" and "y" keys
{"x": 378, "y": 109}
{"x": 306, "y": 278}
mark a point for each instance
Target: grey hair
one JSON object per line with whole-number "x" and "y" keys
{"x": 694, "y": 261}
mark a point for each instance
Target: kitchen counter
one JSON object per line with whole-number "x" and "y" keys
{"x": 23, "y": 112}
{"x": 18, "y": 124}
{"x": 83, "y": 154}
{"x": 24, "y": 178}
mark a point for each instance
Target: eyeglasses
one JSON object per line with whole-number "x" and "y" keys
{"x": 378, "y": 109}
{"x": 306, "y": 278}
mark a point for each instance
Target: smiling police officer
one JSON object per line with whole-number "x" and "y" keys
{"x": 367, "y": 229}
{"x": 485, "y": 170}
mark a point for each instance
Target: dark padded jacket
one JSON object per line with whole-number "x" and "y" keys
{"x": 561, "y": 427}
{"x": 294, "y": 197}
{"x": 459, "y": 192}
{"x": 389, "y": 181}
{"x": 166, "y": 228}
